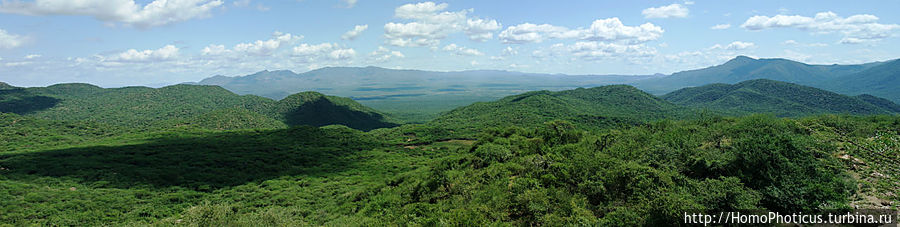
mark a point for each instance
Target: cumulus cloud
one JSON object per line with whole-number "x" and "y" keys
{"x": 855, "y": 29}
{"x": 610, "y": 30}
{"x": 166, "y": 53}
{"x": 592, "y": 50}
{"x": 32, "y": 56}
{"x": 459, "y": 50}
{"x": 669, "y": 11}
{"x": 266, "y": 47}
{"x": 127, "y": 12}
{"x": 481, "y": 29}
{"x": 429, "y": 24}
{"x": 9, "y": 41}
{"x": 357, "y": 30}
{"x": 342, "y": 54}
{"x": 333, "y": 51}
{"x": 736, "y": 45}
{"x": 383, "y": 54}
{"x": 720, "y": 27}
{"x": 533, "y": 33}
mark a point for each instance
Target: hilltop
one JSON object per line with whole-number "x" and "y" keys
{"x": 590, "y": 107}
{"x": 183, "y": 105}
{"x": 780, "y": 98}
{"x": 882, "y": 80}
{"x": 743, "y": 68}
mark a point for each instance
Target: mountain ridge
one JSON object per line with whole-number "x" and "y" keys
{"x": 781, "y": 98}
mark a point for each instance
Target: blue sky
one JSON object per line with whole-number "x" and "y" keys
{"x": 124, "y": 42}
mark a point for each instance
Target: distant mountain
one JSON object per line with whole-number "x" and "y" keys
{"x": 369, "y": 82}
{"x": 780, "y": 98}
{"x": 882, "y": 80}
{"x": 589, "y": 107}
{"x": 183, "y": 105}
{"x": 414, "y": 95}
{"x": 744, "y": 68}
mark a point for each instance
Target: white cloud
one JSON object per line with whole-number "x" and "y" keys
{"x": 166, "y": 53}
{"x": 593, "y": 50}
{"x": 266, "y": 47}
{"x": 350, "y": 3}
{"x": 430, "y": 24}
{"x": 736, "y": 45}
{"x": 458, "y": 50}
{"x": 357, "y": 30}
{"x": 509, "y": 51}
{"x": 342, "y": 54}
{"x": 610, "y": 29}
{"x": 790, "y": 42}
{"x": 720, "y": 27}
{"x": 855, "y": 29}
{"x": 533, "y": 33}
{"x": 311, "y": 50}
{"x": 384, "y": 54}
{"x": 156, "y": 13}
{"x": 481, "y": 29}
{"x": 9, "y": 41}
{"x": 669, "y": 11}
{"x": 213, "y": 49}
{"x": 32, "y": 56}
{"x": 310, "y": 53}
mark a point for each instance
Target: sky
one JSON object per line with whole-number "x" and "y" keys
{"x": 115, "y": 43}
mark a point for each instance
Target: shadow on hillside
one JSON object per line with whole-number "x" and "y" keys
{"x": 203, "y": 162}
{"x": 322, "y": 112}
{"x": 20, "y": 101}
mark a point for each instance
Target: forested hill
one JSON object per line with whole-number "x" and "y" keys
{"x": 183, "y": 105}
{"x": 316, "y": 109}
{"x": 596, "y": 107}
{"x": 882, "y": 80}
{"x": 876, "y": 78}
{"x": 779, "y": 98}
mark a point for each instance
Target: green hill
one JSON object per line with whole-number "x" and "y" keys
{"x": 204, "y": 106}
{"x": 316, "y": 109}
{"x": 780, "y": 98}
{"x": 882, "y": 81}
{"x": 744, "y": 68}
{"x": 589, "y": 107}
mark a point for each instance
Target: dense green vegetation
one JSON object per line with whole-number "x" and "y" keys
{"x": 603, "y": 156}
{"x": 882, "y": 80}
{"x": 211, "y": 107}
{"x": 316, "y": 109}
{"x": 589, "y": 108}
{"x": 779, "y": 98}
{"x": 744, "y": 68}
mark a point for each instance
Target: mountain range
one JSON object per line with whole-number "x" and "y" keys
{"x": 418, "y": 96}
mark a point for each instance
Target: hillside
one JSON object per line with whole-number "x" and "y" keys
{"x": 202, "y": 106}
{"x": 882, "y": 81}
{"x": 316, "y": 109}
{"x": 779, "y": 98}
{"x": 590, "y": 107}
{"x": 743, "y": 68}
